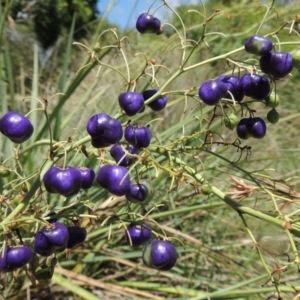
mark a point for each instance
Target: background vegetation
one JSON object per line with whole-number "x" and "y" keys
{"x": 224, "y": 254}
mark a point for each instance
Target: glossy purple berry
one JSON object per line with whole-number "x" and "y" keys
{"x": 16, "y": 127}
{"x": 104, "y": 130}
{"x": 157, "y": 104}
{"x": 141, "y": 192}
{"x": 140, "y": 137}
{"x": 258, "y": 45}
{"x": 51, "y": 238}
{"x": 77, "y": 236}
{"x": 243, "y": 129}
{"x": 64, "y": 181}
{"x": 57, "y": 234}
{"x": 88, "y": 176}
{"x": 131, "y": 102}
{"x": 212, "y": 91}
{"x": 118, "y": 153}
{"x": 233, "y": 86}
{"x": 147, "y": 23}
{"x": 42, "y": 246}
{"x": 255, "y": 86}
{"x": 258, "y": 128}
{"x": 160, "y": 254}
{"x": 251, "y": 127}
{"x": 138, "y": 234}
{"x": 277, "y": 64}
{"x": 15, "y": 257}
{"x": 115, "y": 179}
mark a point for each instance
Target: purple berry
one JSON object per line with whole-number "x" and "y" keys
{"x": 15, "y": 257}
{"x": 251, "y": 127}
{"x": 233, "y": 86}
{"x": 147, "y": 23}
{"x": 212, "y": 91}
{"x": 160, "y": 254}
{"x": 258, "y": 128}
{"x": 157, "y": 104}
{"x": 141, "y": 192}
{"x": 104, "y": 130}
{"x": 255, "y": 86}
{"x": 277, "y": 64}
{"x": 118, "y": 153}
{"x": 42, "y": 246}
{"x": 16, "y": 127}
{"x": 77, "y": 236}
{"x": 115, "y": 179}
{"x": 243, "y": 129}
{"x": 56, "y": 234}
{"x": 51, "y": 238}
{"x": 138, "y": 234}
{"x": 66, "y": 182}
{"x": 140, "y": 137}
{"x": 88, "y": 176}
{"x": 258, "y": 45}
{"x": 131, "y": 102}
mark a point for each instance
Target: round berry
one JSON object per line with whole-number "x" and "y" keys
{"x": 140, "y": 137}
{"x": 88, "y": 176}
{"x": 243, "y": 129}
{"x": 51, "y": 238}
{"x": 212, "y": 91}
{"x": 118, "y": 153}
{"x": 273, "y": 116}
{"x": 277, "y": 64}
{"x": 104, "y": 130}
{"x": 272, "y": 100}
{"x": 115, "y": 179}
{"x": 42, "y": 246}
{"x": 147, "y": 23}
{"x": 64, "y": 181}
{"x": 233, "y": 86}
{"x": 251, "y": 127}
{"x": 157, "y": 104}
{"x": 138, "y": 234}
{"x": 258, "y": 128}
{"x": 15, "y": 257}
{"x": 258, "y": 45}
{"x": 206, "y": 189}
{"x": 131, "y": 102}
{"x": 160, "y": 254}
{"x": 77, "y": 236}
{"x": 16, "y": 127}
{"x": 141, "y": 192}
{"x": 231, "y": 121}
{"x": 56, "y": 234}
{"x": 255, "y": 86}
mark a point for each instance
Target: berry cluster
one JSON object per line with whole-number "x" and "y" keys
{"x": 157, "y": 254}
{"x": 67, "y": 181}
{"x": 274, "y": 65}
{"x": 127, "y": 141}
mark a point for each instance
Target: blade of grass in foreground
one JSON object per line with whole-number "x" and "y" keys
{"x": 81, "y": 292}
{"x": 63, "y": 79}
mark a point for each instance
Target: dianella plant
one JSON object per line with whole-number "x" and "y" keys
{"x": 153, "y": 163}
